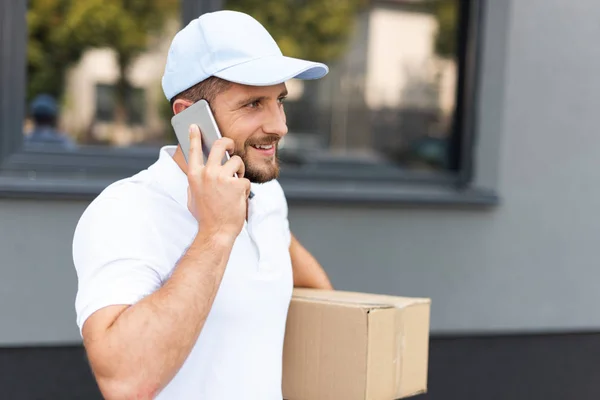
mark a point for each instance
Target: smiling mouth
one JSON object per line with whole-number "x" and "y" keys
{"x": 263, "y": 146}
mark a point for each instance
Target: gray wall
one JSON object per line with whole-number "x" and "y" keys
{"x": 526, "y": 265}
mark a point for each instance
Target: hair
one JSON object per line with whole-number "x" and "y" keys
{"x": 208, "y": 90}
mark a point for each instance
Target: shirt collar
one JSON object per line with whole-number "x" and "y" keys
{"x": 169, "y": 175}
{"x": 173, "y": 180}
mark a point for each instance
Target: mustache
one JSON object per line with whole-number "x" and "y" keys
{"x": 258, "y": 141}
{"x": 262, "y": 141}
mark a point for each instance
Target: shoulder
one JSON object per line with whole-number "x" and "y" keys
{"x": 117, "y": 253}
{"x": 119, "y": 220}
{"x": 127, "y": 197}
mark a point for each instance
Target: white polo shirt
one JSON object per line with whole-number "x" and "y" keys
{"x": 130, "y": 238}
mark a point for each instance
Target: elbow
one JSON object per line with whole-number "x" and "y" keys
{"x": 118, "y": 379}
{"x": 127, "y": 389}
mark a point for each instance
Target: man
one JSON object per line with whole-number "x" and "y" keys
{"x": 44, "y": 113}
{"x": 185, "y": 283}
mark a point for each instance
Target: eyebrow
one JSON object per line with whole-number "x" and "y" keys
{"x": 252, "y": 99}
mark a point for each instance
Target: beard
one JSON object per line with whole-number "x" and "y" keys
{"x": 261, "y": 170}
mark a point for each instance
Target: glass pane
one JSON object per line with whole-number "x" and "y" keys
{"x": 94, "y": 72}
{"x": 390, "y": 95}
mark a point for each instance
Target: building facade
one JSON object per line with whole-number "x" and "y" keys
{"x": 506, "y": 248}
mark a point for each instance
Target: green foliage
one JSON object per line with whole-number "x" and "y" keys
{"x": 446, "y": 13}
{"x": 61, "y": 30}
{"x": 47, "y": 54}
{"x": 123, "y": 25}
{"x": 314, "y": 29}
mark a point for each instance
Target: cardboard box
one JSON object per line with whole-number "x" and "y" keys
{"x": 355, "y": 346}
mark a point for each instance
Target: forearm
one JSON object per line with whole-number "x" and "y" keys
{"x": 149, "y": 341}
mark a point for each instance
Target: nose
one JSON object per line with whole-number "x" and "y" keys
{"x": 275, "y": 121}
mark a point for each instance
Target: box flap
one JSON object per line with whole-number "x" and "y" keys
{"x": 341, "y": 302}
{"x": 365, "y": 300}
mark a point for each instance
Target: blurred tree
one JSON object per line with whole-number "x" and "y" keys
{"x": 446, "y": 14}
{"x": 318, "y": 30}
{"x": 61, "y": 30}
{"x": 47, "y": 55}
{"x": 314, "y": 29}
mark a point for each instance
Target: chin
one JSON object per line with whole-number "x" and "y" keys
{"x": 262, "y": 175}
{"x": 261, "y": 170}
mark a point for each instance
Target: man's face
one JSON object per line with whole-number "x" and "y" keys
{"x": 254, "y": 118}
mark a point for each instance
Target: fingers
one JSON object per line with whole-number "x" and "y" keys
{"x": 235, "y": 165}
{"x": 195, "y": 156}
{"x": 217, "y": 153}
{"x": 245, "y": 184}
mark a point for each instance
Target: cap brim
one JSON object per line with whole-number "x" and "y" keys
{"x": 272, "y": 70}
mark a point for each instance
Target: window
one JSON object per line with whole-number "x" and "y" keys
{"x": 396, "y": 106}
{"x": 390, "y": 97}
{"x": 94, "y": 69}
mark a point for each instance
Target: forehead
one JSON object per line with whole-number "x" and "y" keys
{"x": 237, "y": 91}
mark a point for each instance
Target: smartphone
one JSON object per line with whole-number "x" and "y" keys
{"x": 200, "y": 114}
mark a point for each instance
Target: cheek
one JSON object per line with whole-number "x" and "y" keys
{"x": 245, "y": 129}
{"x": 239, "y": 130}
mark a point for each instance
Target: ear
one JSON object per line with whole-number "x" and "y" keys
{"x": 179, "y": 105}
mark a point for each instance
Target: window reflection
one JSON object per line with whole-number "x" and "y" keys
{"x": 390, "y": 94}
{"x": 389, "y": 98}
{"x": 99, "y": 62}
{"x": 43, "y": 125}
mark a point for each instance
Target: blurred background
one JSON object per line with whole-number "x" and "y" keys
{"x": 450, "y": 153}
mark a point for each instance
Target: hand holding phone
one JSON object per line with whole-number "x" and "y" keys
{"x": 199, "y": 114}
{"x": 217, "y": 199}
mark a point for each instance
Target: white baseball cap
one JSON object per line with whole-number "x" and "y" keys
{"x": 233, "y": 46}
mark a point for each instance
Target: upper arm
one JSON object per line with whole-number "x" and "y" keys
{"x": 110, "y": 254}
{"x": 298, "y": 254}
{"x": 306, "y": 269}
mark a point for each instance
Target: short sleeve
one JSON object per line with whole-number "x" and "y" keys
{"x": 115, "y": 253}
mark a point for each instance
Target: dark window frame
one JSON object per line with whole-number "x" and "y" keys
{"x": 377, "y": 184}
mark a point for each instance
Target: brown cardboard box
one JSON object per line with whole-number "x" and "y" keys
{"x": 355, "y": 346}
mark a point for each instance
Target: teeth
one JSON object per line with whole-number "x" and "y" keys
{"x": 264, "y": 147}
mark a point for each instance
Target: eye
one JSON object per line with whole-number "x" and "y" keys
{"x": 253, "y": 104}
{"x": 281, "y": 100}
